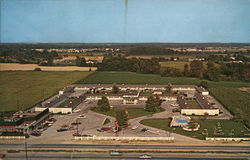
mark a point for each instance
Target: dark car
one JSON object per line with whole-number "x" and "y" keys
{"x": 62, "y": 129}
{"x": 35, "y": 133}
{"x": 144, "y": 129}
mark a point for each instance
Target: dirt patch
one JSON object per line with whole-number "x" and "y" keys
{"x": 31, "y": 67}
{"x": 245, "y": 89}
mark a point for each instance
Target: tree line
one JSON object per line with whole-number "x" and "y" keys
{"x": 118, "y": 62}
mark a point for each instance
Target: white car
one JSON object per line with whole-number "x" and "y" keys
{"x": 134, "y": 127}
{"x": 82, "y": 116}
{"x": 77, "y": 110}
{"x": 145, "y": 156}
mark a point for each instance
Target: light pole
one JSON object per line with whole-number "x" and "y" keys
{"x": 26, "y": 151}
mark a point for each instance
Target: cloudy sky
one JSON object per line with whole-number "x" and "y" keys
{"x": 125, "y": 21}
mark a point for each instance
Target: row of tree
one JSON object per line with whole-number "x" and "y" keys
{"x": 213, "y": 71}
{"x": 118, "y": 62}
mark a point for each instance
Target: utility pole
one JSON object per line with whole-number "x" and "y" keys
{"x": 77, "y": 127}
{"x": 26, "y": 152}
{"x": 43, "y": 95}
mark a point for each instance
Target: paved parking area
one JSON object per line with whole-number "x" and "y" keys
{"x": 93, "y": 121}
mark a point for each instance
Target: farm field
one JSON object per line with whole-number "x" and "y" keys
{"x": 234, "y": 100}
{"x": 177, "y": 65}
{"x": 31, "y": 67}
{"x": 134, "y": 78}
{"x": 208, "y": 128}
{"x": 180, "y": 65}
{"x": 23, "y": 89}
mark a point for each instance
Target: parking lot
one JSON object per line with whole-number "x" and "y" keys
{"x": 89, "y": 121}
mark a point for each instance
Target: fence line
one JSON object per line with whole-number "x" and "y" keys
{"x": 12, "y": 137}
{"x": 226, "y": 139}
{"x": 126, "y": 138}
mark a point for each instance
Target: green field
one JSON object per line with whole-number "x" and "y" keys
{"x": 136, "y": 78}
{"x": 180, "y": 65}
{"x": 236, "y": 101}
{"x": 177, "y": 65}
{"x": 207, "y": 128}
{"x": 132, "y": 112}
{"x": 23, "y": 89}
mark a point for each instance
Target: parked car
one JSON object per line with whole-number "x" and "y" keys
{"x": 2, "y": 155}
{"x": 62, "y": 129}
{"x": 144, "y": 129}
{"x": 35, "y": 133}
{"x": 134, "y": 127}
{"x": 77, "y": 134}
{"x": 82, "y": 116}
{"x": 77, "y": 110}
{"x": 76, "y": 123}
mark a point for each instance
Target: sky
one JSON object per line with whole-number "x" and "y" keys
{"x": 123, "y": 21}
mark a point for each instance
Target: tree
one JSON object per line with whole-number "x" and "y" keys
{"x": 196, "y": 69}
{"x": 204, "y": 84}
{"x": 186, "y": 70}
{"x": 168, "y": 87}
{"x": 122, "y": 118}
{"x": 115, "y": 89}
{"x": 153, "y": 104}
{"x": 81, "y": 62}
{"x": 103, "y": 104}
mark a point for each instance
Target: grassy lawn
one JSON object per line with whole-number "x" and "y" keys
{"x": 132, "y": 112}
{"x": 23, "y": 89}
{"x": 226, "y": 126}
{"x": 134, "y": 78}
{"x": 193, "y": 104}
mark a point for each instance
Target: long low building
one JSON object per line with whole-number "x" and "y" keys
{"x": 127, "y": 98}
{"x": 122, "y": 87}
{"x": 206, "y": 107}
{"x": 57, "y": 106}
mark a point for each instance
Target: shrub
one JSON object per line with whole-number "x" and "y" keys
{"x": 37, "y": 69}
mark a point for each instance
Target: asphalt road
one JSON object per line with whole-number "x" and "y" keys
{"x": 155, "y": 147}
{"x": 124, "y": 156}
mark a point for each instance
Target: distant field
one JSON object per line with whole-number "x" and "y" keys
{"x": 226, "y": 126}
{"x": 26, "y": 87}
{"x": 31, "y": 67}
{"x": 134, "y": 78}
{"x": 178, "y": 65}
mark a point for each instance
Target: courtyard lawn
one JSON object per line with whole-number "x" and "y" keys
{"x": 23, "y": 89}
{"x": 209, "y": 128}
{"x": 193, "y": 104}
{"x": 132, "y": 112}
